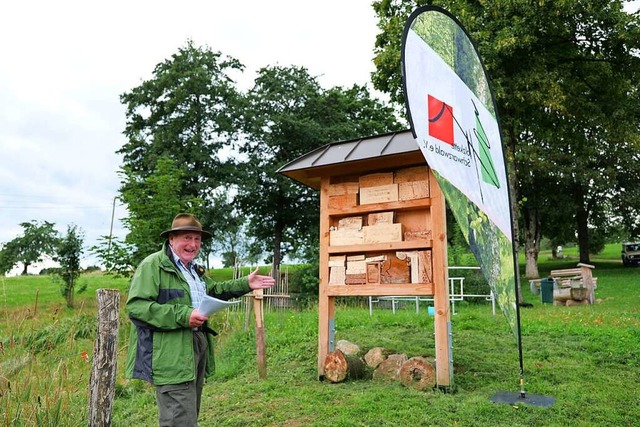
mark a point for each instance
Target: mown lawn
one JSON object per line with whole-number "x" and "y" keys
{"x": 586, "y": 357}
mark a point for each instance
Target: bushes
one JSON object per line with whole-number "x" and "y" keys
{"x": 303, "y": 284}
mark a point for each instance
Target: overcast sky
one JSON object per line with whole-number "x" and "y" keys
{"x": 64, "y": 64}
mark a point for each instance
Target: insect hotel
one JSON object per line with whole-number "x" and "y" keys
{"x": 382, "y": 231}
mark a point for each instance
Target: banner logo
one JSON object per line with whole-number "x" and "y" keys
{"x": 440, "y": 120}
{"x": 489, "y": 174}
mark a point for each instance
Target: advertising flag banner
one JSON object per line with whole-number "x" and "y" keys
{"x": 454, "y": 121}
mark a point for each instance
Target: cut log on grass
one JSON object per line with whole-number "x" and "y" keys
{"x": 579, "y": 294}
{"x": 562, "y": 294}
{"x": 418, "y": 373}
{"x": 339, "y": 367}
{"x": 390, "y": 367}
{"x": 375, "y": 356}
{"x": 347, "y": 347}
{"x": 572, "y": 302}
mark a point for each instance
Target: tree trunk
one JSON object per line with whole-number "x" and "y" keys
{"x": 339, "y": 367}
{"x": 277, "y": 241}
{"x": 418, "y": 373}
{"x": 532, "y": 236}
{"x": 69, "y": 295}
{"x": 582, "y": 219}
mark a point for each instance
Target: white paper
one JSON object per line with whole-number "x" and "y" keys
{"x": 210, "y": 305}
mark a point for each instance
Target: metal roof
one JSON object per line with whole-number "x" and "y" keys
{"x": 350, "y": 151}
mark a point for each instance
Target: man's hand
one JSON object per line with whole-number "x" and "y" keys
{"x": 257, "y": 281}
{"x": 196, "y": 319}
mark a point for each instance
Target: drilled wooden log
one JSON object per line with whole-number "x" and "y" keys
{"x": 376, "y": 356}
{"x": 339, "y": 367}
{"x": 390, "y": 367}
{"x": 418, "y": 373}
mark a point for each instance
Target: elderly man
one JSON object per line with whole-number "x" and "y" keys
{"x": 171, "y": 345}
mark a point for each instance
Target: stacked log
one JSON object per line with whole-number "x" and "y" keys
{"x": 418, "y": 373}
{"x": 339, "y": 367}
{"x": 571, "y": 296}
{"x": 375, "y": 356}
{"x": 345, "y": 363}
{"x": 389, "y": 368}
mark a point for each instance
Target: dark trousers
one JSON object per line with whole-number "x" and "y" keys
{"x": 179, "y": 404}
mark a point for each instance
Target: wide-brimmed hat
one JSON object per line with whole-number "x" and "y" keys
{"x": 186, "y": 222}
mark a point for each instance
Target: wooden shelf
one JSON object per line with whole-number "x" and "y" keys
{"x": 422, "y": 219}
{"x": 403, "y": 205}
{"x": 407, "y": 245}
{"x": 381, "y": 290}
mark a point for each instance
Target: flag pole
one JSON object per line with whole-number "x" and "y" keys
{"x": 523, "y": 394}
{"x": 521, "y": 397}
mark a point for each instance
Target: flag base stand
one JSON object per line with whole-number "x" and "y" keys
{"x": 513, "y": 398}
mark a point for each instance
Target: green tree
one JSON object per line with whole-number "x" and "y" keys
{"x": 153, "y": 201}
{"x": 115, "y": 255}
{"x": 186, "y": 113}
{"x": 288, "y": 114}
{"x": 68, "y": 254}
{"x": 565, "y": 79}
{"x": 229, "y": 228}
{"x": 39, "y": 239}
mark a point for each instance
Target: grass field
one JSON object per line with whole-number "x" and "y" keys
{"x": 586, "y": 357}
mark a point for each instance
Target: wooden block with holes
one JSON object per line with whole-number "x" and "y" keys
{"x": 374, "y": 269}
{"x": 382, "y": 233}
{"x": 337, "y": 275}
{"x": 355, "y": 279}
{"x": 379, "y": 194}
{"x": 357, "y": 267}
{"x": 375, "y": 180}
{"x": 356, "y": 273}
{"x": 425, "y": 267}
{"x": 343, "y": 188}
{"x": 380, "y": 218}
{"x": 351, "y": 222}
{"x": 413, "y": 190}
{"x": 411, "y": 257}
{"x": 343, "y": 202}
{"x": 346, "y": 236}
{"x": 417, "y": 173}
{"x": 337, "y": 261}
{"x": 395, "y": 270}
{"x": 417, "y": 235}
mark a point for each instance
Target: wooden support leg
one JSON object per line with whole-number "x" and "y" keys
{"x": 260, "y": 335}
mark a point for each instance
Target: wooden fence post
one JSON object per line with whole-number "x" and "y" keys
{"x": 102, "y": 384}
{"x": 260, "y": 335}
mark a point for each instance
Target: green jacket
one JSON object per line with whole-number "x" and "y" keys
{"x": 159, "y": 305}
